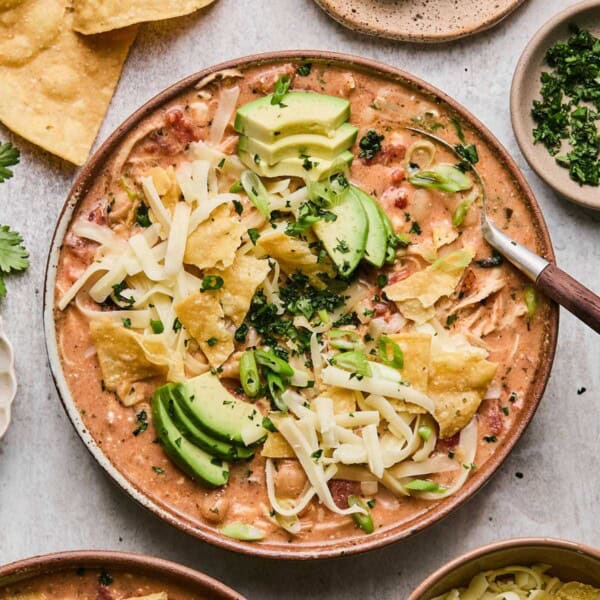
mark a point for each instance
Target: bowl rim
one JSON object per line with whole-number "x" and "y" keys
{"x": 380, "y": 30}
{"x": 302, "y": 551}
{"x": 493, "y": 547}
{"x": 58, "y": 561}
{"x": 568, "y": 188}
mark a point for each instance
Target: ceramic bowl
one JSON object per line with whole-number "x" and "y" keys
{"x": 324, "y": 549}
{"x": 428, "y": 21}
{"x": 526, "y": 87}
{"x": 206, "y": 587}
{"x": 570, "y": 561}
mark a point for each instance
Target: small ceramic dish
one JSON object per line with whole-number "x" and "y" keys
{"x": 425, "y": 21}
{"x": 80, "y": 574}
{"x": 570, "y": 561}
{"x": 526, "y": 87}
{"x": 8, "y": 380}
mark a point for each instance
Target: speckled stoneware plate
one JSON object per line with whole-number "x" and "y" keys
{"x": 427, "y": 21}
{"x": 526, "y": 88}
{"x": 323, "y": 548}
{"x": 8, "y": 379}
{"x": 116, "y": 565}
{"x": 570, "y": 561}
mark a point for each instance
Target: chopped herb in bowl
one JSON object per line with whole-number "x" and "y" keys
{"x": 569, "y": 110}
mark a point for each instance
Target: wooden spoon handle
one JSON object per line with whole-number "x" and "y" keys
{"x": 571, "y": 294}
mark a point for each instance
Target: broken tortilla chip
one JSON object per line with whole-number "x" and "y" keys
{"x": 127, "y": 357}
{"x": 416, "y": 348}
{"x": 56, "y": 84}
{"x": 240, "y": 281}
{"x": 293, "y": 255}
{"x": 202, "y": 315}
{"x": 416, "y": 295}
{"x": 214, "y": 242}
{"x": 457, "y": 385}
{"x": 166, "y": 185}
{"x": 276, "y": 446}
{"x": 96, "y": 16}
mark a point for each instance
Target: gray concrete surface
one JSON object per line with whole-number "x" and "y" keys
{"x": 54, "y": 497}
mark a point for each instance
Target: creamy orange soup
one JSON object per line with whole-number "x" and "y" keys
{"x": 487, "y": 307}
{"x": 96, "y": 584}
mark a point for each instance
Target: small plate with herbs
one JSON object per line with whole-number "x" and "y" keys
{"x": 555, "y": 103}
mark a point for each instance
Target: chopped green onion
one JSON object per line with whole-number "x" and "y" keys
{"x": 461, "y": 212}
{"x": 343, "y": 339}
{"x": 323, "y": 315}
{"x": 243, "y": 532}
{"x": 256, "y": 191}
{"x": 397, "y": 358}
{"x": 355, "y": 361}
{"x": 211, "y": 283}
{"x": 127, "y": 322}
{"x": 276, "y": 387}
{"x": 425, "y": 485}
{"x": 531, "y": 301}
{"x": 268, "y": 425}
{"x": 249, "y": 374}
{"x": 362, "y": 520}
{"x": 425, "y": 432}
{"x": 443, "y": 177}
{"x": 157, "y": 326}
{"x": 281, "y": 88}
{"x": 236, "y": 188}
{"x": 131, "y": 194}
{"x": 270, "y": 360}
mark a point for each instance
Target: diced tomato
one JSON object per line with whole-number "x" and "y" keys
{"x": 104, "y": 593}
{"x": 448, "y": 444}
{"x": 398, "y": 176}
{"x": 391, "y": 153}
{"x": 341, "y": 489}
{"x": 397, "y": 197}
{"x": 182, "y": 126}
{"x": 98, "y": 215}
{"x": 494, "y": 419}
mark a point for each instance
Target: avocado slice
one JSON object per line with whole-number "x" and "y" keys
{"x": 390, "y": 234}
{"x": 315, "y": 168}
{"x": 198, "y": 436}
{"x": 375, "y": 251}
{"x": 300, "y": 145}
{"x": 212, "y": 408}
{"x": 193, "y": 461}
{"x": 345, "y": 239}
{"x": 300, "y": 112}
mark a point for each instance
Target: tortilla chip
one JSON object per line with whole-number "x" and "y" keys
{"x": 56, "y": 85}
{"x": 214, "y": 242}
{"x": 443, "y": 234}
{"x": 240, "y": 281}
{"x": 577, "y": 591}
{"x": 293, "y": 255}
{"x": 276, "y": 446}
{"x": 202, "y": 315}
{"x": 127, "y": 357}
{"x": 457, "y": 383}
{"x": 416, "y": 295}
{"x": 96, "y": 16}
{"x": 344, "y": 401}
{"x": 166, "y": 185}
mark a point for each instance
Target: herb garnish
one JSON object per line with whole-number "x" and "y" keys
{"x": 142, "y": 419}
{"x": 211, "y": 283}
{"x": 304, "y": 70}
{"x": 141, "y": 216}
{"x": 570, "y": 105}
{"x": 281, "y": 88}
{"x": 370, "y": 144}
{"x": 9, "y": 157}
{"x": 13, "y": 255}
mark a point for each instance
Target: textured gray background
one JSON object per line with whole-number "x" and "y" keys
{"x": 54, "y": 497}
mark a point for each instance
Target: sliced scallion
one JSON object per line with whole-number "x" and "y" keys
{"x": 396, "y": 360}
{"x": 362, "y": 520}
{"x": 255, "y": 190}
{"x": 243, "y": 532}
{"x": 249, "y": 377}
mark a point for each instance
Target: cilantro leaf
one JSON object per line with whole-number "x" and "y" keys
{"x": 13, "y": 255}
{"x": 9, "y": 157}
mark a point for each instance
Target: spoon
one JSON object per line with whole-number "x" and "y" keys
{"x": 548, "y": 278}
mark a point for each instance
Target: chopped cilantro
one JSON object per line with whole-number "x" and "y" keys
{"x": 142, "y": 218}
{"x": 304, "y": 69}
{"x": 370, "y": 144}
{"x": 142, "y": 419}
{"x": 104, "y": 578}
{"x": 9, "y": 157}
{"x": 211, "y": 283}
{"x": 212, "y": 341}
{"x": 127, "y": 323}
{"x": 415, "y": 228}
{"x": 253, "y": 234}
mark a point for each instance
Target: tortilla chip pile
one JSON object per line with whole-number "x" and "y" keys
{"x": 57, "y": 83}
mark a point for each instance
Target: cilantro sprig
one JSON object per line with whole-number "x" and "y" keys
{"x": 9, "y": 157}
{"x": 13, "y": 255}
